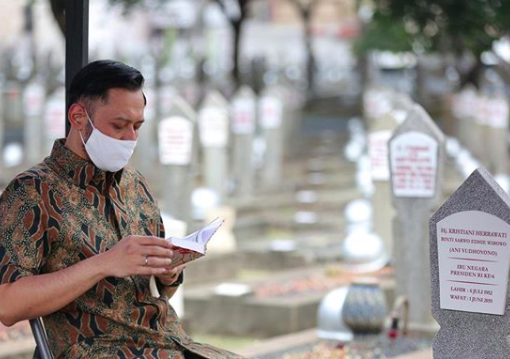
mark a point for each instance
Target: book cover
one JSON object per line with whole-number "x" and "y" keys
{"x": 194, "y": 245}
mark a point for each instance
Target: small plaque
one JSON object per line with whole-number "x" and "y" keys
{"x": 175, "y": 136}
{"x": 271, "y": 112}
{"x": 414, "y": 165}
{"x": 243, "y": 116}
{"x": 497, "y": 113}
{"x": 378, "y": 152}
{"x": 213, "y": 122}
{"x": 474, "y": 256}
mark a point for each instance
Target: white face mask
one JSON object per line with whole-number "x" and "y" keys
{"x": 107, "y": 153}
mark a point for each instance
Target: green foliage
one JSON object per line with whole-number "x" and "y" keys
{"x": 384, "y": 34}
{"x": 438, "y": 25}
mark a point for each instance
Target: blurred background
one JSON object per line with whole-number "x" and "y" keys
{"x": 270, "y": 114}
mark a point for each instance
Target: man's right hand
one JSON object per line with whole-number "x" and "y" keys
{"x": 39, "y": 295}
{"x": 138, "y": 255}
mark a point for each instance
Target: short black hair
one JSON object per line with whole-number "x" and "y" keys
{"x": 94, "y": 80}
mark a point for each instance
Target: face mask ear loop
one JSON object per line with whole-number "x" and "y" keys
{"x": 88, "y": 118}
{"x": 82, "y": 141}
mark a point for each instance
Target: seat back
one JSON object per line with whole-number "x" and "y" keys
{"x": 42, "y": 350}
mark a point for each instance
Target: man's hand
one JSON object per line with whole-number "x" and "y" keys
{"x": 171, "y": 276}
{"x": 139, "y": 255}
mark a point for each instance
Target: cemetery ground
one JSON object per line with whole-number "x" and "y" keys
{"x": 262, "y": 300}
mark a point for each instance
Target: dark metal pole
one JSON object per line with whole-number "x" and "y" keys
{"x": 77, "y": 43}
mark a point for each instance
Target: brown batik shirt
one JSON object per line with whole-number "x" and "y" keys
{"x": 65, "y": 210}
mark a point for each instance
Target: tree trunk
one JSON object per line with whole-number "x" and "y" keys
{"x": 310, "y": 59}
{"x": 473, "y": 75}
{"x": 237, "y": 29}
{"x": 420, "y": 80}
{"x": 58, "y": 9}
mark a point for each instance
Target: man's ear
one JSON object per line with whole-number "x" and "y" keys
{"x": 77, "y": 117}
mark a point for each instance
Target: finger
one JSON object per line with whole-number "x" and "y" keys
{"x": 181, "y": 267}
{"x": 151, "y": 271}
{"x": 153, "y": 241}
{"x": 173, "y": 272}
{"x": 157, "y": 262}
{"x": 156, "y": 251}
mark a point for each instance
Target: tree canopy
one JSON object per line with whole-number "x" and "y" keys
{"x": 447, "y": 26}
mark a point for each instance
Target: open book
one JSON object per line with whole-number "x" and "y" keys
{"x": 194, "y": 245}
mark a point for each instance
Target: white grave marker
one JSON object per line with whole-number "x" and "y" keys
{"x": 378, "y": 152}
{"x": 474, "y": 259}
{"x": 414, "y": 165}
{"x": 175, "y": 141}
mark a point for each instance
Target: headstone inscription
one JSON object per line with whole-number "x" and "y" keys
{"x": 213, "y": 124}
{"x": 416, "y": 165}
{"x": 379, "y": 135}
{"x": 243, "y": 114}
{"x": 177, "y": 157}
{"x": 271, "y": 110}
{"x": 469, "y": 263}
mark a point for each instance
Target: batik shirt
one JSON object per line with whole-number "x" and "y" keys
{"x": 65, "y": 210}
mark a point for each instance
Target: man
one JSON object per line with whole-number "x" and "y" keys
{"x": 81, "y": 235}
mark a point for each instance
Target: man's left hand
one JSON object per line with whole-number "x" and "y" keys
{"x": 171, "y": 276}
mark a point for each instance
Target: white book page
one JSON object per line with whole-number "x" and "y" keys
{"x": 197, "y": 241}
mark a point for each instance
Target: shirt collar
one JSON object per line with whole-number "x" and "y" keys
{"x": 80, "y": 171}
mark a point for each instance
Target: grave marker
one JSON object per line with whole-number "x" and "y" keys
{"x": 213, "y": 122}
{"x": 416, "y": 162}
{"x": 177, "y": 156}
{"x": 271, "y": 110}
{"x": 469, "y": 260}
{"x": 244, "y": 114}
{"x": 378, "y": 138}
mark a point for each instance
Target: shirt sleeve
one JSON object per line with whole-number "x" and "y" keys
{"x": 24, "y": 243}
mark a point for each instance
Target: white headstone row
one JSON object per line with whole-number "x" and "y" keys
{"x": 390, "y": 109}
{"x": 485, "y": 110}
{"x": 483, "y": 123}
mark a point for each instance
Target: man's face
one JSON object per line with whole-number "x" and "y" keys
{"x": 121, "y": 116}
